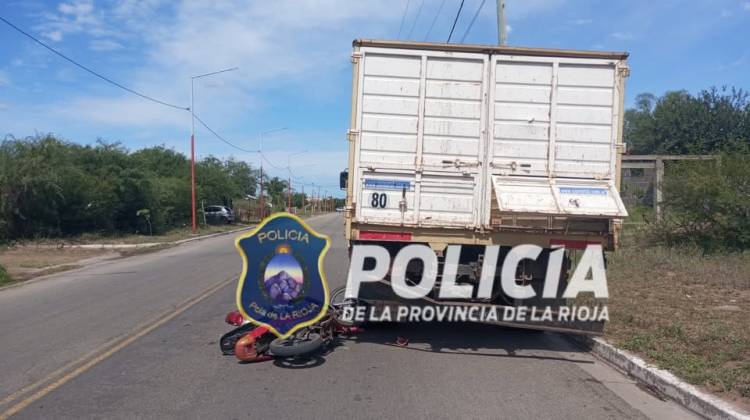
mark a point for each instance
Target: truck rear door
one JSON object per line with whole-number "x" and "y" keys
{"x": 553, "y": 136}
{"x": 421, "y": 119}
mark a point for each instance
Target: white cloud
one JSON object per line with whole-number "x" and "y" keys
{"x": 127, "y": 111}
{"x": 726, "y": 13}
{"x": 580, "y": 22}
{"x": 4, "y": 80}
{"x": 623, "y": 36}
{"x": 3, "y": 106}
{"x": 75, "y": 16}
{"x": 104, "y": 45}
{"x": 55, "y": 36}
{"x": 304, "y": 45}
{"x": 746, "y": 5}
{"x": 79, "y": 9}
{"x": 508, "y": 28}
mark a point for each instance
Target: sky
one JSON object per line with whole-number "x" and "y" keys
{"x": 294, "y": 64}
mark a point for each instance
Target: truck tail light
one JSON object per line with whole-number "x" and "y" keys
{"x": 369, "y": 235}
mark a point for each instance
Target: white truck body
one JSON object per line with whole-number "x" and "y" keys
{"x": 484, "y": 139}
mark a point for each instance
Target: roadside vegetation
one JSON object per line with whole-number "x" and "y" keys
{"x": 685, "y": 311}
{"x": 4, "y": 276}
{"x": 680, "y": 287}
{"x": 52, "y": 188}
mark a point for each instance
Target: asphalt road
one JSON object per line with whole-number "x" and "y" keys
{"x": 136, "y": 338}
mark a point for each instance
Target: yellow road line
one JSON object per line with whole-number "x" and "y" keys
{"x": 56, "y": 372}
{"x": 147, "y": 328}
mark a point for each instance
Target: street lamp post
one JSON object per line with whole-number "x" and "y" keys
{"x": 289, "y": 170}
{"x": 192, "y": 140}
{"x": 260, "y": 154}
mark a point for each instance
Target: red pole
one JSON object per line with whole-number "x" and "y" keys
{"x": 192, "y": 179}
{"x": 262, "y": 200}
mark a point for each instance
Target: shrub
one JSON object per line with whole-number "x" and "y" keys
{"x": 4, "y": 276}
{"x": 707, "y": 204}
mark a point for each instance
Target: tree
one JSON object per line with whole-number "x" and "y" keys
{"x": 52, "y": 187}
{"x": 715, "y": 120}
{"x": 275, "y": 188}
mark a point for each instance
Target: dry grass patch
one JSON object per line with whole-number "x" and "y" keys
{"x": 686, "y": 312}
{"x": 23, "y": 263}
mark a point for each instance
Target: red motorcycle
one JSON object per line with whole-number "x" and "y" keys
{"x": 253, "y": 344}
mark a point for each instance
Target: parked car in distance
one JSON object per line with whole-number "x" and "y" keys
{"x": 219, "y": 214}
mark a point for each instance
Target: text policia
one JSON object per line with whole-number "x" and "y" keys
{"x": 589, "y": 276}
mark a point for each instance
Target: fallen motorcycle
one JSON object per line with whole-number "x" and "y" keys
{"x": 251, "y": 343}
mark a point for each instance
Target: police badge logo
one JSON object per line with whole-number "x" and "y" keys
{"x": 282, "y": 286}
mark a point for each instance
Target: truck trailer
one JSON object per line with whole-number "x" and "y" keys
{"x": 478, "y": 145}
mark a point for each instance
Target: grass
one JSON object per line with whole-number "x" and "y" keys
{"x": 685, "y": 312}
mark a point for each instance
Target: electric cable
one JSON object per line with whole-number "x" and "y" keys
{"x": 473, "y": 19}
{"x": 440, "y": 9}
{"x": 455, "y": 21}
{"x": 105, "y": 78}
{"x": 403, "y": 18}
{"x": 416, "y": 18}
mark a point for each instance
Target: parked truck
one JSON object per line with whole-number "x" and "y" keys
{"x": 481, "y": 145}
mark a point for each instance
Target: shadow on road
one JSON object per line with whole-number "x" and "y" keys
{"x": 470, "y": 339}
{"x": 462, "y": 339}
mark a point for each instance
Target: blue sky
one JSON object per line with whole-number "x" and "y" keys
{"x": 294, "y": 63}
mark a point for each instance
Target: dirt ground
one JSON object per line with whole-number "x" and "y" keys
{"x": 23, "y": 263}
{"x": 685, "y": 312}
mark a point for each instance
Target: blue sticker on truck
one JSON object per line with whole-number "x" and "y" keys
{"x": 583, "y": 191}
{"x": 386, "y": 184}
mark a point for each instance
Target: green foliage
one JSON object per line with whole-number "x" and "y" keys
{"x": 4, "y": 276}
{"x": 715, "y": 120}
{"x": 50, "y": 187}
{"x": 707, "y": 204}
{"x": 276, "y": 189}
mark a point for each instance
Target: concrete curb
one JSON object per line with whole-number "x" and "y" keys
{"x": 142, "y": 245}
{"x": 669, "y": 385}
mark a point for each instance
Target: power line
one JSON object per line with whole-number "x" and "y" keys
{"x": 218, "y": 136}
{"x": 222, "y": 138}
{"x": 403, "y": 18}
{"x": 473, "y": 19}
{"x": 105, "y": 78}
{"x": 455, "y": 20}
{"x": 419, "y": 12}
{"x": 271, "y": 163}
{"x": 440, "y": 9}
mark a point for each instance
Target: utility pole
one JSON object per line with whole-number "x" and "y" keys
{"x": 192, "y": 140}
{"x": 262, "y": 201}
{"x": 192, "y": 154}
{"x": 501, "y": 36}
{"x": 260, "y": 155}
